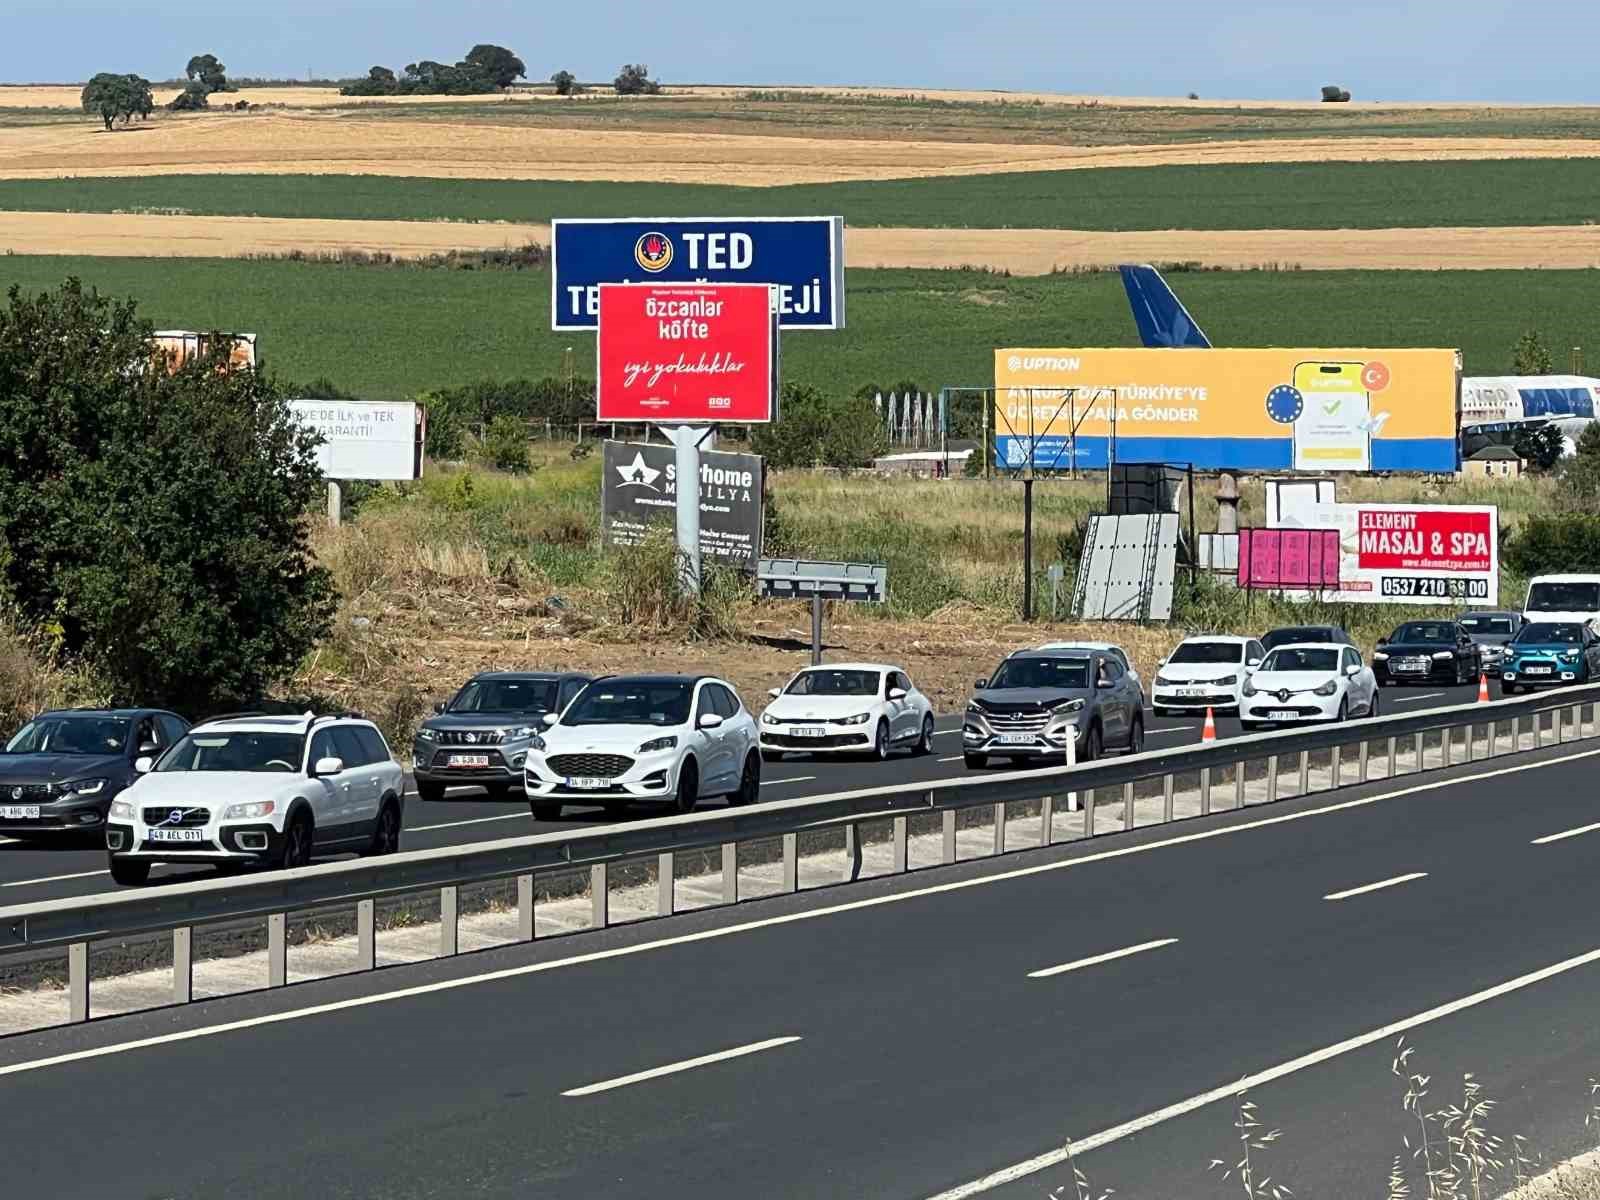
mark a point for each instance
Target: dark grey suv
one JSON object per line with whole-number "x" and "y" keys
{"x": 1037, "y": 700}
{"x": 481, "y": 735}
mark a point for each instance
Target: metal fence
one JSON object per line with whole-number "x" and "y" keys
{"x": 1223, "y": 771}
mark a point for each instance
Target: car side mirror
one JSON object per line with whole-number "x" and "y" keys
{"x": 981, "y": 684}
{"x": 1383, "y": 641}
{"x": 709, "y": 721}
{"x": 1352, "y": 672}
{"x": 143, "y": 763}
{"x": 774, "y": 692}
{"x": 1252, "y": 662}
{"x": 328, "y": 766}
{"x": 147, "y": 748}
{"x": 1104, "y": 683}
{"x": 550, "y": 719}
{"x": 897, "y": 693}
{"x": 438, "y": 706}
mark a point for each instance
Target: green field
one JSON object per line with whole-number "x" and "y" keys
{"x": 396, "y": 331}
{"x": 1247, "y": 196}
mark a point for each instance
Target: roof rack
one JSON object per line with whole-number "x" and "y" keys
{"x": 232, "y": 716}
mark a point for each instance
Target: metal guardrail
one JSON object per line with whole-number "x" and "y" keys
{"x": 1569, "y": 713}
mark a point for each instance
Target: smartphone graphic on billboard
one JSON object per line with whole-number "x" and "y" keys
{"x": 1334, "y": 429}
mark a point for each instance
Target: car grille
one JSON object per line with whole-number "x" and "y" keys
{"x": 471, "y": 737}
{"x": 830, "y": 742}
{"x": 1031, "y": 720}
{"x": 176, "y": 847}
{"x": 189, "y": 818}
{"x": 32, "y": 793}
{"x": 589, "y": 766}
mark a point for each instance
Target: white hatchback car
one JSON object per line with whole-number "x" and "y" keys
{"x": 1204, "y": 672}
{"x": 1324, "y": 681}
{"x": 847, "y": 708}
{"x": 257, "y": 789}
{"x": 675, "y": 738}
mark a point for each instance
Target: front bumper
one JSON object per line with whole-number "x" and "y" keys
{"x": 1303, "y": 706}
{"x": 649, "y": 777}
{"x": 1439, "y": 670}
{"x": 1554, "y": 673}
{"x": 431, "y": 763}
{"x": 979, "y": 736}
{"x": 1204, "y": 696}
{"x": 237, "y": 841}
{"x": 834, "y": 738}
{"x": 60, "y": 819}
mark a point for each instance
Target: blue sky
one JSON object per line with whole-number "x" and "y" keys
{"x": 1536, "y": 50}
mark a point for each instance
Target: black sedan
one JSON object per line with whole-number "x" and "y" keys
{"x": 1306, "y": 635}
{"x": 1427, "y": 652}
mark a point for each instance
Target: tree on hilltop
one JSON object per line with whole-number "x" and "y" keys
{"x": 634, "y": 80}
{"x": 496, "y": 64}
{"x": 566, "y": 83}
{"x": 205, "y": 69}
{"x": 117, "y": 96}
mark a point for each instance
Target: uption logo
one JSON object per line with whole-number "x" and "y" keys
{"x": 653, "y": 252}
{"x": 1042, "y": 362}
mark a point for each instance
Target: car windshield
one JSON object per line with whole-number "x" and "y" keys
{"x": 236, "y": 751}
{"x": 1427, "y": 633}
{"x": 834, "y": 683}
{"x": 1070, "y": 673}
{"x": 1285, "y": 637}
{"x": 1302, "y": 659}
{"x": 1564, "y": 597}
{"x": 615, "y": 702}
{"x": 1563, "y": 632}
{"x": 505, "y": 696}
{"x": 71, "y": 735}
{"x": 1208, "y": 652}
{"x": 1487, "y": 625}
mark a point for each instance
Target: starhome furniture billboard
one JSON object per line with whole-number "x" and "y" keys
{"x": 640, "y": 486}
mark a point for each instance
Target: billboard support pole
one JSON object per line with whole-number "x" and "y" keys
{"x": 1027, "y": 546}
{"x": 335, "y": 503}
{"x": 816, "y": 629}
{"x": 686, "y": 440}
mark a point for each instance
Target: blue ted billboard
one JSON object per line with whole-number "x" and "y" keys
{"x": 803, "y": 257}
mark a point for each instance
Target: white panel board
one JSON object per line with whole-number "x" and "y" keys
{"x": 362, "y": 439}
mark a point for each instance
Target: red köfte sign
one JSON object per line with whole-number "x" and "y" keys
{"x": 686, "y": 352}
{"x": 1441, "y": 539}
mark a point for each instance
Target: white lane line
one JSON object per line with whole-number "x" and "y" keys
{"x": 54, "y": 878}
{"x": 789, "y": 779}
{"x": 687, "y": 1064}
{"x": 1565, "y": 833}
{"x": 1096, "y": 960}
{"x": 516, "y": 816}
{"x": 1169, "y": 729}
{"x": 1373, "y": 887}
{"x": 1232, "y": 1089}
{"x": 953, "y": 758}
{"x": 704, "y": 935}
{"x": 1414, "y": 699}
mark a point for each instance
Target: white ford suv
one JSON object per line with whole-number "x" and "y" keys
{"x": 676, "y": 738}
{"x": 251, "y": 789}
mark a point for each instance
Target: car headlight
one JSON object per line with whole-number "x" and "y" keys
{"x": 1249, "y": 688}
{"x": 255, "y": 808}
{"x": 1380, "y": 656}
{"x": 520, "y": 733}
{"x": 769, "y": 719}
{"x": 1224, "y": 680}
{"x": 1569, "y": 656}
{"x": 83, "y": 787}
{"x": 1328, "y": 688}
{"x": 427, "y": 735}
{"x": 654, "y": 745}
{"x": 1444, "y": 653}
{"x": 122, "y": 810}
{"x": 974, "y": 707}
{"x": 1165, "y": 682}
{"x": 536, "y": 743}
{"x": 1069, "y": 706}
{"x": 858, "y": 719}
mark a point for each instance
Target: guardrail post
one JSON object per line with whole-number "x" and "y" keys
{"x": 1335, "y": 768}
{"x": 666, "y": 894}
{"x": 949, "y": 816}
{"x": 1391, "y": 757}
{"x": 730, "y": 872}
{"x": 1272, "y": 778}
{"x": 852, "y": 852}
{"x": 1205, "y": 790}
{"x": 366, "y": 935}
{"x": 525, "y": 925}
{"x": 599, "y": 896}
{"x": 1127, "y": 805}
{"x": 1238, "y": 782}
{"x": 1072, "y": 761}
{"x": 901, "y": 839}
{"x": 183, "y": 964}
{"x": 1088, "y": 813}
{"x": 1538, "y": 730}
{"x": 1361, "y": 762}
{"x": 1447, "y": 737}
{"x": 1047, "y": 821}
{"x": 78, "y": 981}
{"x": 1166, "y": 798}
{"x": 277, "y": 949}
{"x": 1416, "y": 746}
{"x": 1594, "y": 717}
{"x": 1494, "y": 739}
{"x": 1575, "y": 722}
{"x": 1555, "y": 726}
{"x": 999, "y": 828}
{"x": 449, "y": 925}
{"x": 791, "y": 862}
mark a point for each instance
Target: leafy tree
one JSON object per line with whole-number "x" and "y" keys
{"x": 380, "y": 81}
{"x": 155, "y": 520}
{"x": 496, "y": 64}
{"x": 814, "y": 429}
{"x": 505, "y": 444}
{"x": 1580, "y": 478}
{"x": 634, "y": 80}
{"x": 566, "y": 83}
{"x": 1540, "y": 445}
{"x": 192, "y": 99}
{"x": 117, "y": 96}
{"x": 1532, "y": 356}
{"x": 204, "y": 69}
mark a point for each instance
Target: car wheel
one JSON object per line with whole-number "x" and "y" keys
{"x": 1507, "y": 689}
{"x": 749, "y": 782}
{"x": 975, "y": 762}
{"x": 544, "y": 810}
{"x": 771, "y": 756}
{"x": 688, "y": 787}
{"x": 1344, "y": 711}
{"x": 296, "y": 848}
{"x": 880, "y": 742}
{"x": 428, "y": 789}
{"x": 1372, "y": 706}
{"x": 1136, "y": 735}
{"x": 1092, "y": 745}
{"x": 924, "y": 746}
{"x": 130, "y": 872}
{"x": 386, "y": 831}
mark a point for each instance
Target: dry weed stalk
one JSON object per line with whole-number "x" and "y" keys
{"x": 1080, "y": 1183}
{"x": 1249, "y": 1125}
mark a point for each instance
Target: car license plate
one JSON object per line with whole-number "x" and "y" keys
{"x": 1191, "y": 692}
{"x": 1283, "y": 714}
{"x": 1411, "y": 664}
{"x": 469, "y": 760}
{"x": 177, "y": 835}
{"x": 1537, "y": 670}
{"x": 1015, "y": 739}
{"x": 811, "y": 731}
{"x": 587, "y": 784}
{"x": 19, "y": 812}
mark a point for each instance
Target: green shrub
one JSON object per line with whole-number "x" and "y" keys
{"x": 505, "y": 444}
{"x": 814, "y": 429}
{"x": 1553, "y": 544}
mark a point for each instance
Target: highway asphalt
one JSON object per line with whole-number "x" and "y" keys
{"x": 32, "y": 871}
{"x": 905, "y": 1037}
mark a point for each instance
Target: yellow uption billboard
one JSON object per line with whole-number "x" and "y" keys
{"x": 1250, "y": 410}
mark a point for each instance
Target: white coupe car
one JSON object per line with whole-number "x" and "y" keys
{"x": 1322, "y": 682}
{"x": 1204, "y": 672}
{"x": 847, "y": 708}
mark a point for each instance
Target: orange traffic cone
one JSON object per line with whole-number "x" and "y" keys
{"x": 1209, "y": 733}
{"x": 1483, "y": 688}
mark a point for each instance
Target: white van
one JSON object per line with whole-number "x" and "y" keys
{"x": 1563, "y": 598}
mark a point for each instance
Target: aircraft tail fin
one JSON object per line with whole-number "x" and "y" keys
{"x": 1162, "y": 319}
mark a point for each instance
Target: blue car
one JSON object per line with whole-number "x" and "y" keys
{"x": 1550, "y": 653}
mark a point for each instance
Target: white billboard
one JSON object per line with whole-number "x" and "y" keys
{"x": 365, "y": 439}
